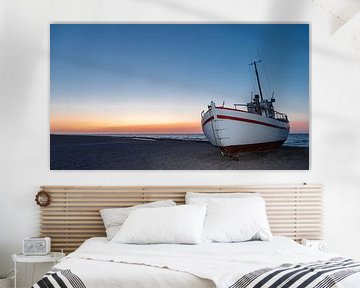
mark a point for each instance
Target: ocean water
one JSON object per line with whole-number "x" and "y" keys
{"x": 297, "y": 140}
{"x": 185, "y": 137}
{"x": 294, "y": 140}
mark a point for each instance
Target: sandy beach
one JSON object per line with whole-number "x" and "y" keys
{"x": 73, "y": 152}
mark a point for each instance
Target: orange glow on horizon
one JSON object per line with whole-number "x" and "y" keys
{"x": 170, "y": 128}
{"x": 94, "y": 126}
{"x": 299, "y": 126}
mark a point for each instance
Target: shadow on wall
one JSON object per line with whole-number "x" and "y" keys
{"x": 182, "y": 7}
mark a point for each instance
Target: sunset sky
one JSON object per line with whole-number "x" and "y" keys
{"x": 156, "y": 79}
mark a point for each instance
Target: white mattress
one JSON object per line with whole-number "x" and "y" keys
{"x": 102, "y": 264}
{"x": 124, "y": 275}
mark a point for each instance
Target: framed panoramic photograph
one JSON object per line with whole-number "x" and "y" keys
{"x": 179, "y": 97}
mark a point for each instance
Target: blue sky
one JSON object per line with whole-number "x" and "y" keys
{"x": 107, "y": 76}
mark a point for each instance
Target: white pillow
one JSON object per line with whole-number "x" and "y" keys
{"x": 236, "y": 220}
{"x": 180, "y": 224}
{"x": 113, "y": 218}
{"x": 204, "y": 198}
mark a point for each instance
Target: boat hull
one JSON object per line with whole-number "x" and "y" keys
{"x": 235, "y": 131}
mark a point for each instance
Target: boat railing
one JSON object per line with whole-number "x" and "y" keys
{"x": 240, "y": 105}
{"x": 280, "y": 116}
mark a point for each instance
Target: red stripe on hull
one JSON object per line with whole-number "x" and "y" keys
{"x": 250, "y": 121}
{"x": 208, "y": 120}
{"x": 242, "y": 120}
{"x": 234, "y": 149}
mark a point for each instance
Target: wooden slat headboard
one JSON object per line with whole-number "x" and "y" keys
{"x": 73, "y": 215}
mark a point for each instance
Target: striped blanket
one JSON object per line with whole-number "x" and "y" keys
{"x": 319, "y": 274}
{"x": 59, "y": 278}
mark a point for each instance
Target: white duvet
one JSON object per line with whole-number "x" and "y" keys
{"x": 100, "y": 263}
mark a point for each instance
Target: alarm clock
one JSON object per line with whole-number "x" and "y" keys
{"x": 36, "y": 246}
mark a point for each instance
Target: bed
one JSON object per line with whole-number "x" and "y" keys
{"x": 294, "y": 211}
{"x": 99, "y": 263}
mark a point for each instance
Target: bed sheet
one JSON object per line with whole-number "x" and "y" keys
{"x": 100, "y": 263}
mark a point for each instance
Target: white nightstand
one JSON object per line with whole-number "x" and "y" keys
{"x": 53, "y": 257}
{"x": 320, "y": 245}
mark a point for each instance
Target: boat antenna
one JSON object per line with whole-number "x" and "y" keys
{"x": 250, "y": 74}
{"x": 257, "y": 77}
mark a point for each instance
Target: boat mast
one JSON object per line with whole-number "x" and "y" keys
{"x": 257, "y": 78}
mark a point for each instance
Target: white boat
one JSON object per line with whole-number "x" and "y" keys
{"x": 256, "y": 127}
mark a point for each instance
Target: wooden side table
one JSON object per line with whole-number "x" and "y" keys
{"x": 53, "y": 257}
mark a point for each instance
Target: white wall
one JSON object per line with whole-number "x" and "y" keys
{"x": 24, "y": 117}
